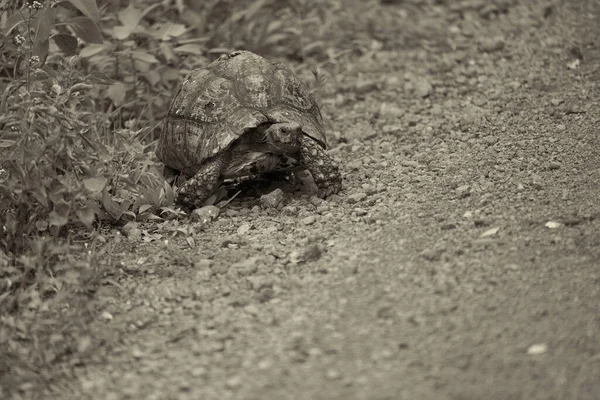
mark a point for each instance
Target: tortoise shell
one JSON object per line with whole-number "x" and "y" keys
{"x": 216, "y": 105}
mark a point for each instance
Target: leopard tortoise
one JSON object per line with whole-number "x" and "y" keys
{"x": 243, "y": 115}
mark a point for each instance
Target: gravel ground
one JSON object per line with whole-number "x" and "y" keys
{"x": 461, "y": 260}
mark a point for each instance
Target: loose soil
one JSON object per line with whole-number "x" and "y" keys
{"x": 460, "y": 261}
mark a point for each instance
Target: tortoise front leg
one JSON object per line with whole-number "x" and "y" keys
{"x": 325, "y": 173}
{"x": 196, "y": 190}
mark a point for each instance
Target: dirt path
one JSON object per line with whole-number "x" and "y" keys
{"x": 433, "y": 274}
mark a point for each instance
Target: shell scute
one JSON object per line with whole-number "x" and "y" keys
{"x": 215, "y": 105}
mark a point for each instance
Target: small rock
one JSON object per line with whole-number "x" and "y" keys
{"x": 365, "y": 86}
{"x": 390, "y": 129}
{"x": 106, "y": 316}
{"x": 245, "y": 267}
{"x": 311, "y": 219}
{"x": 432, "y": 254}
{"x": 131, "y": 231}
{"x": 310, "y": 253}
{"x": 265, "y": 295}
{"x": 290, "y": 210}
{"x": 333, "y": 374}
{"x": 205, "y": 214}
{"x": 390, "y": 110}
{"x": 205, "y": 263}
{"x": 554, "y": 165}
{"x": 553, "y": 224}
{"x": 468, "y": 215}
{"x": 537, "y": 349}
{"x": 360, "y": 212}
{"x": 490, "y": 232}
{"x": 385, "y": 312}
{"x": 356, "y": 197}
{"x": 448, "y": 226}
{"x": 273, "y": 199}
{"x": 463, "y": 191}
{"x": 240, "y": 301}
{"x": 423, "y": 88}
{"x": 556, "y": 101}
{"x": 219, "y": 269}
{"x": 392, "y": 81}
{"x": 489, "y": 45}
{"x": 234, "y": 382}
{"x": 243, "y": 229}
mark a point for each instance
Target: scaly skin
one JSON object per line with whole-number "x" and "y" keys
{"x": 325, "y": 173}
{"x": 196, "y": 190}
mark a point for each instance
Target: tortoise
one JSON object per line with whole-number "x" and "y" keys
{"x": 240, "y": 116}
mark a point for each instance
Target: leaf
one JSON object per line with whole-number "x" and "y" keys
{"x": 66, "y": 43}
{"x": 167, "y": 51}
{"x": 130, "y": 18}
{"x": 43, "y": 25}
{"x": 144, "y": 57}
{"x": 41, "y": 225}
{"x": 55, "y": 219}
{"x": 85, "y": 29}
{"x": 7, "y": 143}
{"x": 95, "y": 184}
{"x": 86, "y": 216}
{"x": 169, "y": 196}
{"x": 89, "y": 8}
{"x": 169, "y": 30}
{"x": 93, "y": 49}
{"x": 189, "y": 48}
{"x": 111, "y": 207}
{"x": 144, "y": 208}
{"x": 275, "y": 38}
{"x": 116, "y": 92}
{"x": 12, "y": 22}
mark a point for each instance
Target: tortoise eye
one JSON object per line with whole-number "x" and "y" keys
{"x": 210, "y": 106}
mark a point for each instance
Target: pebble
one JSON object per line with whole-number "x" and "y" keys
{"x": 290, "y": 210}
{"x": 432, "y": 254}
{"x": 243, "y": 229}
{"x": 423, "y": 88}
{"x": 356, "y": 197}
{"x": 131, "y": 231}
{"x": 203, "y": 264}
{"x": 205, "y": 214}
{"x": 307, "y": 254}
{"x": 360, "y": 212}
{"x": 488, "y": 45}
{"x": 234, "y": 382}
{"x": 365, "y": 86}
{"x": 554, "y": 165}
{"x": 333, "y": 374}
{"x": 245, "y": 267}
{"x": 462, "y": 191}
{"x": 219, "y": 269}
{"x": 390, "y": 110}
{"x": 273, "y": 199}
{"x": 311, "y": 219}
